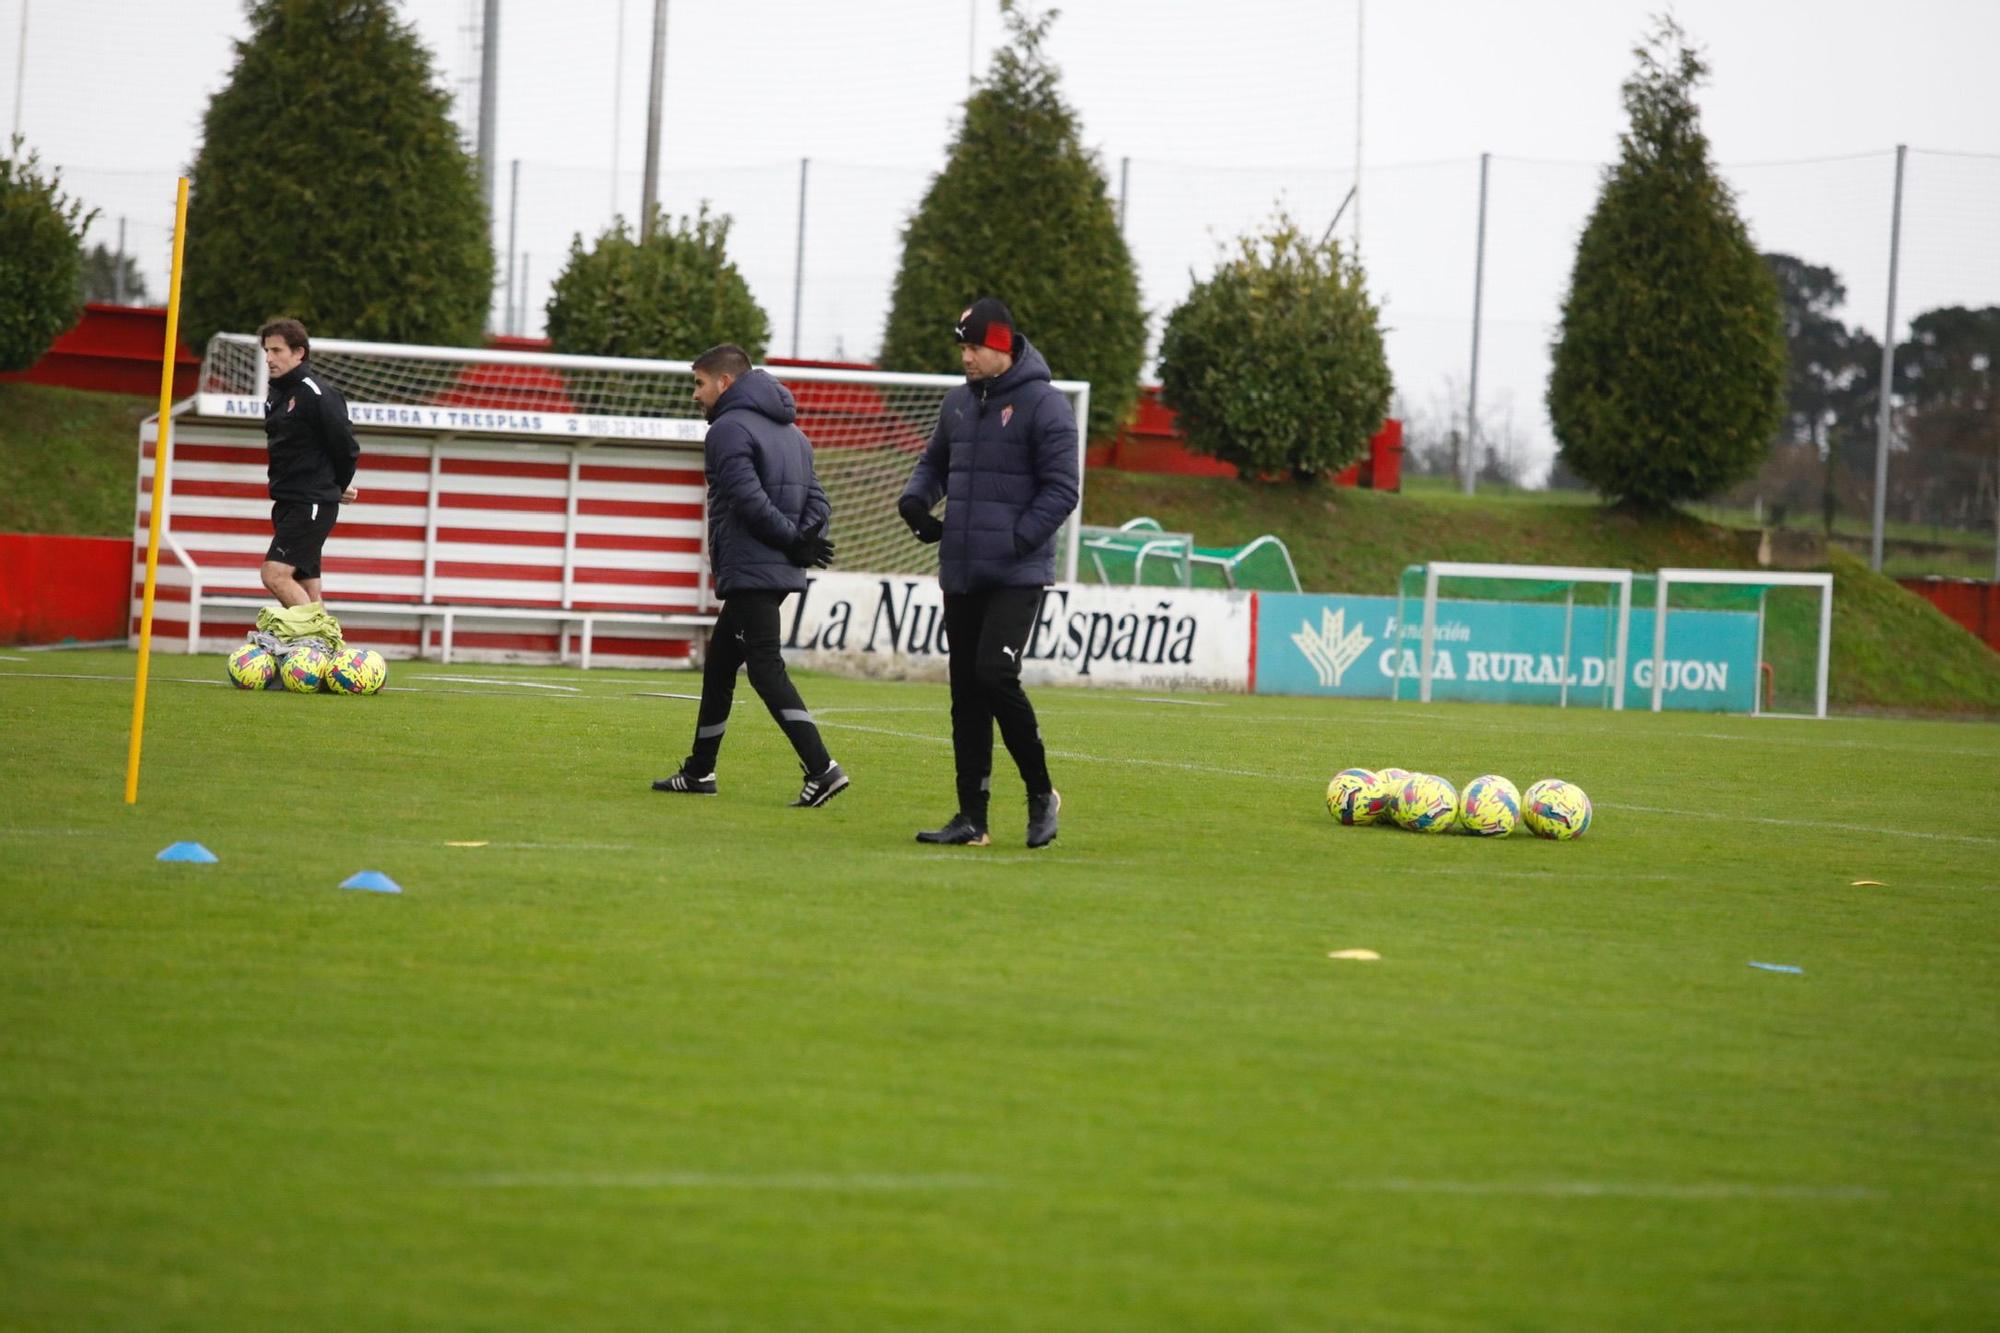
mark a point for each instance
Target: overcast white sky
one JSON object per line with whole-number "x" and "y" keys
{"x": 1224, "y": 108}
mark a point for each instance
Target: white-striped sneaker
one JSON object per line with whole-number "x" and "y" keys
{"x": 823, "y": 787}
{"x": 687, "y": 783}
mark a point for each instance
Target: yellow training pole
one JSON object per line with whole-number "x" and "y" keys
{"x": 162, "y": 446}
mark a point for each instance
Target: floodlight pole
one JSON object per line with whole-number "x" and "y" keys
{"x": 617, "y": 101}
{"x": 21, "y": 69}
{"x": 1885, "y": 395}
{"x": 654, "y": 97}
{"x": 1469, "y": 465}
{"x": 1124, "y": 179}
{"x": 1360, "y": 13}
{"x": 489, "y": 99}
{"x": 513, "y": 217}
{"x": 799, "y": 258}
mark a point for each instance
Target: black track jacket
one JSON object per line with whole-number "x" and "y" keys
{"x": 313, "y": 452}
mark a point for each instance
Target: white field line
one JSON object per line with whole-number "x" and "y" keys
{"x": 1187, "y": 767}
{"x": 986, "y": 856}
{"x": 16, "y": 659}
{"x": 1296, "y": 777}
{"x": 1058, "y": 707}
{"x": 58, "y": 675}
{"x": 1803, "y": 823}
{"x": 1078, "y": 754}
{"x": 800, "y": 1182}
{"x": 483, "y": 680}
{"x": 1571, "y": 725}
{"x": 1699, "y": 1191}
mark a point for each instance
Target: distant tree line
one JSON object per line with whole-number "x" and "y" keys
{"x": 1944, "y": 425}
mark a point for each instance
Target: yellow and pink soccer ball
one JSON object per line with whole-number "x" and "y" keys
{"x": 1489, "y": 807}
{"x": 305, "y": 669}
{"x": 251, "y": 667}
{"x": 1357, "y": 796}
{"x": 357, "y": 671}
{"x": 1556, "y": 809}
{"x": 1393, "y": 779}
{"x": 1427, "y": 804}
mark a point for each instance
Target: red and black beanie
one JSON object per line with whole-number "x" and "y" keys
{"x": 986, "y": 323}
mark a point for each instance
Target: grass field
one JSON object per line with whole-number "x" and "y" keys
{"x": 643, "y": 1061}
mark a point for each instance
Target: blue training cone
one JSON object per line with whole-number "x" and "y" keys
{"x": 372, "y": 880}
{"x": 188, "y": 851}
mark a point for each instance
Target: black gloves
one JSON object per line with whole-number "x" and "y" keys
{"x": 811, "y": 550}
{"x": 927, "y": 527}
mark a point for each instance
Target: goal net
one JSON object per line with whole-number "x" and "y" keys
{"x": 867, "y": 427}
{"x": 1548, "y": 634}
{"x": 1788, "y": 617}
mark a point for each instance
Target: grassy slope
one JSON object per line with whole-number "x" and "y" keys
{"x": 1890, "y": 649}
{"x": 704, "y": 1064}
{"x": 66, "y": 460}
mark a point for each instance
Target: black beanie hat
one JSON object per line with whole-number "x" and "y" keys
{"x": 986, "y": 323}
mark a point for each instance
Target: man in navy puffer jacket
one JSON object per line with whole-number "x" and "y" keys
{"x": 1004, "y": 459}
{"x": 766, "y": 526}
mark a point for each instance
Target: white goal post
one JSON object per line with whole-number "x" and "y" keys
{"x": 1619, "y": 579}
{"x": 867, "y": 426}
{"x": 1763, "y": 580}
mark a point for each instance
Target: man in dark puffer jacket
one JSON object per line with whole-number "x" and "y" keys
{"x": 766, "y": 526}
{"x": 1003, "y": 456}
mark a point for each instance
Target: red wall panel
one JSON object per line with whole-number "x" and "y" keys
{"x": 1971, "y": 602}
{"x": 114, "y": 349}
{"x": 58, "y": 588}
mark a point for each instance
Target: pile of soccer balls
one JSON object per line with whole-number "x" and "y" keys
{"x": 1489, "y": 807}
{"x": 308, "y": 669}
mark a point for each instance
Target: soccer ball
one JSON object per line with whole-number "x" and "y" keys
{"x": 1556, "y": 809}
{"x": 1356, "y": 796}
{"x": 357, "y": 671}
{"x": 251, "y": 667}
{"x": 1392, "y": 779}
{"x": 1427, "y": 804}
{"x": 1489, "y": 807}
{"x": 305, "y": 667}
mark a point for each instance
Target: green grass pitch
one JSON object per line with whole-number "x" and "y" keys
{"x": 647, "y": 1061}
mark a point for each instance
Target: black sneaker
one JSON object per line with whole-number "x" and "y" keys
{"x": 961, "y": 830}
{"x": 1042, "y": 818}
{"x": 687, "y": 783}
{"x": 823, "y": 787}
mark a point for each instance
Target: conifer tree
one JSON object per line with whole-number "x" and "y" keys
{"x": 331, "y": 186}
{"x": 1669, "y": 369}
{"x": 1021, "y": 211}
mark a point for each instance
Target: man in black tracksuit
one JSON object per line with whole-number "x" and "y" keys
{"x": 766, "y": 526}
{"x": 1003, "y": 456}
{"x": 313, "y": 454}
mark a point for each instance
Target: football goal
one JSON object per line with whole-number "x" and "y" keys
{"x": 1554, "y": 634}
{"x": 1792, "y": 615}
{"x": 867, "y": 426}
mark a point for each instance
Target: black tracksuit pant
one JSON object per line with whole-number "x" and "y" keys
{"x": 987, "y": 634}
{"x": 746, "y": 634}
